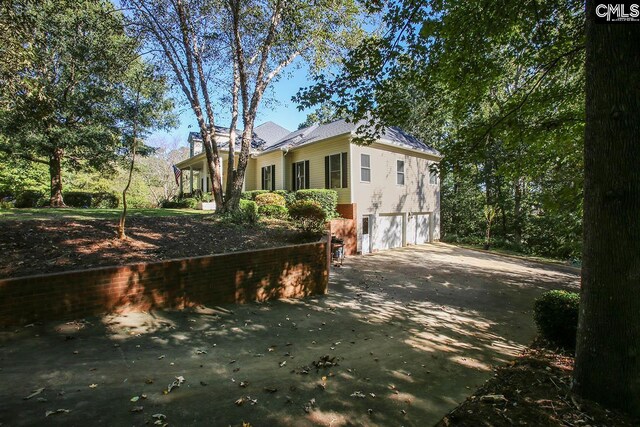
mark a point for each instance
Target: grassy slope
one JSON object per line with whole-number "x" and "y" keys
{"x": 79, "y": 213}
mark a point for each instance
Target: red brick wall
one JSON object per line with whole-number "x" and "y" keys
{"x": 348, "y": 211}
{"x": 345, "y": 229}
{"x": 286, "y": 272}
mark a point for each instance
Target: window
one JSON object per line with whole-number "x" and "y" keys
{"x": 365, "y": 225}
{"x": 269, "y": 177}
{"x": 300, "y": 175}
{"x": 400, "y": 172}
{"x": 335, "y": 171}
{"x": 433, "y": 177}
{"x": 365, "y": 168}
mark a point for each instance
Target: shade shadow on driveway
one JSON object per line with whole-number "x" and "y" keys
{"x": 413, "y": 331}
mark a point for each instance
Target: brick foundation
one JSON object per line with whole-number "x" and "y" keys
{"x": 285, "y": 272}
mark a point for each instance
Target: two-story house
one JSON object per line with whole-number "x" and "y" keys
{"x": 388, "y": 187}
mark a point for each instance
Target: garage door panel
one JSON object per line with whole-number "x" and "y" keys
{"x": 422, "y": 228}
{"x": 388, "y": 232}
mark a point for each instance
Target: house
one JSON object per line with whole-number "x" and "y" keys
{"x": 387, "y": 189}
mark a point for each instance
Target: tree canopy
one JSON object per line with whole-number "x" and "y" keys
{"x": 498, "y": 88}
{"x": 62, "y": 83}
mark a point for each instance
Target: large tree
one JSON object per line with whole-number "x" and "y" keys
{"x": 608, "y": 345}
{"x": 223, "y": 55}
{"x": 502, "y": 99}
{"x": 63, "y": 67}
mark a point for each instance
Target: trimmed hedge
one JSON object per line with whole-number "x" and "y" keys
{"x": 327, "y": 199}
{"x": 289, "y": 197}
{"x": 84, "y": 199}
{"x": 186, "y": 203}
{"x": 308, "y": 215}
{"x": 30, "y": 199}
{"x": 251, "y": 195}
{"x": 556, "y": 316}
{"x": 273, "y": 211}
{"x": 248, "y": 211}
{"x": 270, "y": 199}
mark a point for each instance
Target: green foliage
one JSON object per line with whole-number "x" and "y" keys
{"x": 326, "y": 113}
{"x": 327, "y": 199}
{"x": 273, "y": 211}
{"x": 83, "y": 199}
{"x": 65, "y": 84}
{"x": 309, "y": 216}
{"x": 556, "y": 315}
{"x": 270, "y": 199}
{"x": 185, "y": 203}
{"x": 504, "y": 103}
{"x": 247, "y": 214}
{"x": 289, "y": 196}
{"x": 30, "y": 199}
{"x": 251, "y": 195}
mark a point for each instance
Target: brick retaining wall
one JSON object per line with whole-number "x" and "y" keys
{"x": 285, "y": 272}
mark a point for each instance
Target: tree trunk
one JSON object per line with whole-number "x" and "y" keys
{"x": 55, "y": 173}
{"x": 517, "y": 211}
{"x": 123, "y": 217}
{"x": 608, "y": 343}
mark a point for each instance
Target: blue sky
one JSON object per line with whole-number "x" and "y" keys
{"x": 277, "y": 108}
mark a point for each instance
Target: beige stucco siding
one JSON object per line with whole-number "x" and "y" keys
{"x": 383, "y": 194}
{"x": 315, "y": 154}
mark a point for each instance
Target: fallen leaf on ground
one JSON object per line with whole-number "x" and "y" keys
{"x": 93, "y": 385}
{"x": 137, "y": 409}
{"x": 57, "y": 411}
{"x": 34, "y": 393}
{"x": 358, "y": 394}
{"x": 135, "y": 398}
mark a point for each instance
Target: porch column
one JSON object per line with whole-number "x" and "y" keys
{"x": 181, "y": 183}
{"x": 190, "y": 179}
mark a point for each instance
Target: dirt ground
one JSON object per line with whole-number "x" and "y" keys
{"x": 36, "y": 247}
{"x": 535, "y": 390}
{"x": 402, "y": 338}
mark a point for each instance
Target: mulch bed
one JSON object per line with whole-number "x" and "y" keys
{"x": 534, "y": 390}
{"x": 37, "y": 247}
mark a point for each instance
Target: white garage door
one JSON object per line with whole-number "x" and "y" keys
{"x": 388, "y": 232}
{"x": 422, "y": 228}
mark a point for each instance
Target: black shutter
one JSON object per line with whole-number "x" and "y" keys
{"x": 345, "y": 179}
{"x": 262, "y": 179}
{"x": 293, "y": 177}
{"x": 306, "y": 174}
{"x": 327, "y": 181}
{"x": 273, "y": 177}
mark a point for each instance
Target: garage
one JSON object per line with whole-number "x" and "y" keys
{"x": 388, "y": 231}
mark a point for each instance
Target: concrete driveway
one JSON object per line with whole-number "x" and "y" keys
{"x": 412, "y": 333}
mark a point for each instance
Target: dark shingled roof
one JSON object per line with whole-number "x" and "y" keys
{"x": 263, "y": 135}
{"x": 393, "y": 135}
{"x": 271, "y": 136}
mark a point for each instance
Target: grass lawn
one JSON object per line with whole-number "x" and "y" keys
{"x": 84, "y": 214}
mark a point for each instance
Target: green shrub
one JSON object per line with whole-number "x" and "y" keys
{"x": 273, "y": 211}
{"x": 77, "y": 199}
{"x": 186, "y": 203}
{"x": 269, "y": 199}
{"x": 104, "y": 200}
{"x": 30, "y": 199}
{"x": 327, "y": 199}
{"x": 308, "y": 216}
{"x": 556, "y": 315}
{"x": 289, "y": 197}
{"x": 251, "y": 195}
{"x": 7, "y": 203}
{"x": 246, "y": 214}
